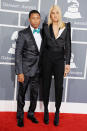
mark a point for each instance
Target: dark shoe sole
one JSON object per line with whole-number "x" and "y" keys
{"x": 20, "y": 124}
{"x": 46, "y": 122}
{"x": 56, "y": 123}
{"x": 36, "y": 122}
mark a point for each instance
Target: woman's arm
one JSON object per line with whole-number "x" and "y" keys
{"x": 67, "y": 49}
{"x": 68, "y": 44}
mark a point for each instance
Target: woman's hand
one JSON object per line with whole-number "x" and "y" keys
{"x": 21, "y": 78}
{"x": 67, "y": 70}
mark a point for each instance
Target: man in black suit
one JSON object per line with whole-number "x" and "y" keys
{"x": 26, "y": 63}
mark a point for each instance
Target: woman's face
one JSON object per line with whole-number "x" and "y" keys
{"x": 54, "y": 15}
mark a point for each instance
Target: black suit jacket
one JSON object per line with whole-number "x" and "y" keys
{"x": 64, "y": 41}
{"x": 26, "y": 53}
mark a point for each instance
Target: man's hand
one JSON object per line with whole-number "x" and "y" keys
{"x": 67, "y": 70}
{"x": 21, "y": 78}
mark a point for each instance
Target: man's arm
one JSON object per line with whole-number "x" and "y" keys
{"x": 18, "y": 56}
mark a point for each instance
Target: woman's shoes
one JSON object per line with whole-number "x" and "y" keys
{"x": 56, "y": 119}
{"x": 46, "y": 117}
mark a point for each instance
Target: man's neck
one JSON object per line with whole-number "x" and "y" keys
{"x": 34, "y": 27}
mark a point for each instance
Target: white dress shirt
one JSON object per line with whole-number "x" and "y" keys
{"x": 60, "y": 32}
{"x": 37, "y": 37}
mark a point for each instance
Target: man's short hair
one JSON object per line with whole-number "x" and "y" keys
{"x": 33, "y": 11}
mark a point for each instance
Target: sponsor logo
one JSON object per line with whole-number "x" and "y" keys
{"x": 22, "y": 0}
{"x": 19, "y": 5}
{"x": 9, "y": 59}
{"x": 72, "y": 11}
{"x": 72, "y": 63}
{"x": 13, "y": 38}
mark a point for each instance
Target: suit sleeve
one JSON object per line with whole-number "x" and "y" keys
{"x": 43, "y": 44}
{"x": 18, "y": 53}
{"x": 43, "y": 41}
{"x": 68, "y": 44}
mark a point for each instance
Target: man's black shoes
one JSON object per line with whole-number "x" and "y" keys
{"x": 32, "y": 118}
{"x": 20, "y": 122}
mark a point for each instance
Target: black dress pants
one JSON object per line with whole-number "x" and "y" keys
{"x": 53, "y": 64}
{"x": 34, "y": 84}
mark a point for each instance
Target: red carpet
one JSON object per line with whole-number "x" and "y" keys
{"x": 68, "y": 122}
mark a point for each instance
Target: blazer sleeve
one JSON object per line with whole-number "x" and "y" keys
{"x": 68, "y": 44}
{"x": 18, "y": 53}
{"x": 43, "y": 45}
{"x": 43, "y": 41}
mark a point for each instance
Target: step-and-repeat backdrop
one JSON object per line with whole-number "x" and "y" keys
{"x": 14, "y": 17}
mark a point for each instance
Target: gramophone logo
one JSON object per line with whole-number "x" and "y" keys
{"x": 72, "y": 11}
{"x": 9, "y": 59}
{"x": 22, "y": 0}
{"x": 72, "y": 63}
{"x": 13, "y": 38}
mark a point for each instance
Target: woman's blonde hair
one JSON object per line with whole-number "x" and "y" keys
{"x": 60, "y": 22}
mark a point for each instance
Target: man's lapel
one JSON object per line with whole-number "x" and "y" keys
{"x": 41, "y": 37}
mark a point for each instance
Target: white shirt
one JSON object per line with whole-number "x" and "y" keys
{"x": 37, "y": 37}
{"x": 60, "y": 32}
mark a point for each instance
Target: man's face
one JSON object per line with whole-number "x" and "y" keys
{"x": 34, "y": 20}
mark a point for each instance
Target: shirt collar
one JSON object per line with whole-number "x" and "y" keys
{"x": 32, "y": 28}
